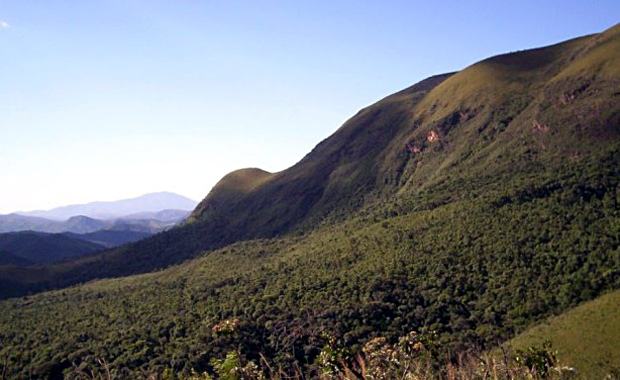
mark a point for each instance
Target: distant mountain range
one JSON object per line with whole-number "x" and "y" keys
{"x": 148, "y": 213}
{"x": 43, "y": 237}
{"x": 142, "y": 222}
{"x": 148, "y": 203}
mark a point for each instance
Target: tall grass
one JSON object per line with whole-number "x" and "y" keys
{"x": 413, "y": 357}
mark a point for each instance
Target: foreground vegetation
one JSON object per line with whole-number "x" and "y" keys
{"x": 413, "y": 356}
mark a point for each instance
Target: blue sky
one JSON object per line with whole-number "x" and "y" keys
{"x": 103, "y": 100}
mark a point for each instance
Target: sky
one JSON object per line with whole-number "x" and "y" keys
{"x": 111, "y": 99}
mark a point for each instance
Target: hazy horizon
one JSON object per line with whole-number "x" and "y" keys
{"x": 103, "y": 201}
{"x": 109, "y": 100}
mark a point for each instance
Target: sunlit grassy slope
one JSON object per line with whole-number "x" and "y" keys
{"x": 586, "y": 337}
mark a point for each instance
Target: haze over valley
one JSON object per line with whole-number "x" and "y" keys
{"x": 47, "y": 236}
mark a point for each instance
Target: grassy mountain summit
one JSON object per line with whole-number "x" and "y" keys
{"x": 530, "y": 106}
{"x": 470, "y": 205}
{"x": 233, "y": 186}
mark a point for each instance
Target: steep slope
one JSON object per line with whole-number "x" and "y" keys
{"x": 586, "y": 337}
{"x": 446, "y": 138}
{"x": 41, "y": 248}
{"x": 529, "y": 103}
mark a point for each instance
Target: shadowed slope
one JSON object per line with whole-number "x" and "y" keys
{"x": 42, "y": 248}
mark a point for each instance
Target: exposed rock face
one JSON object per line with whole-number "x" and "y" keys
{"x": 432, "y": 137}
{"x": 540, "y": 127}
